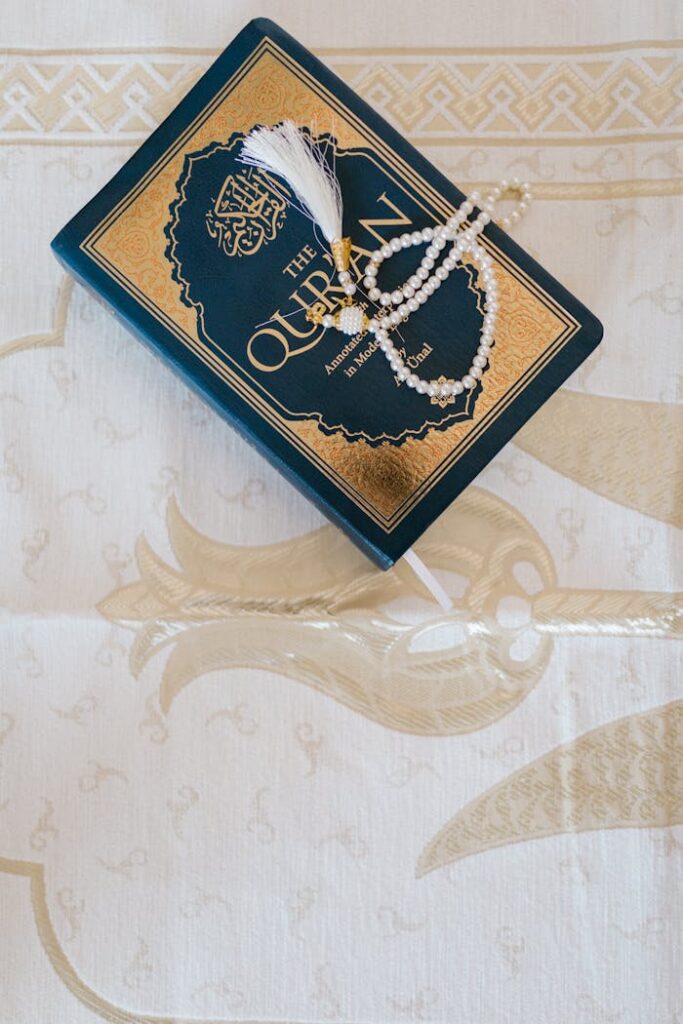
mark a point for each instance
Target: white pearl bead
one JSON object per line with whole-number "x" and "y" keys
{"x": 406, "y": 240}
{"x": 412, "y": 380}
{"x": 415, "y": 281}
{"x": 413, "y": 305}
{"x": 422, "y": 273}
{"x": 349, "y": 289}
{"x": 328, "y": 320}
{"x": 374, "y": 294}
{"x": 476, "y": 372}
{"x": 484, "y": 350}
{"x": 449, "y": 264}
{"x": 422, "y": 296}
{"x": 387, "y": 251}
{"x": 479, "y": 361}
{"x": 403, "y": 373}
{"x": 468, "y": 381}
{"x": 372, "y": 326}
{"x": 436, "y": 282}
{"x": 427, "y": 234}
{"x": 421, "y": 387}
{"x": 408, "y": 291}
{"x": 395, "y": 318}
{"x": 427, "y": 262}
{"x": 432, "y": 252}
{"x": 395, "y": 244}
{"x": 416, "y": 237}
{"x": 369, "y": 282}
{"x": 382, "y": 334}
{"x": 344, "y": 276}
{"x": 397, "y": 297}
{"x": 441, "y": 273}
{"x": 458, "y": 387}
{"x": 385, "y": 299}
{"x": 376, "y": 256}
{"x": 385, "y": 344}
{"x": 431, "y": 390}
{"x": 439, "y": 243}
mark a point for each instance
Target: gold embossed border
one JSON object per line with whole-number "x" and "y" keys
{"x": 388, "y": 493}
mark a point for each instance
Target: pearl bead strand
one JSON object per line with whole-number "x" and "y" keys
{"x": 428, "y": 277}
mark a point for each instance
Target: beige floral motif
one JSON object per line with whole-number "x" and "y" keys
{"x": 299, "y": 907}
{"x": 325, "y": 996}
{"x": 453, "y": 674}
{"x": 28, "y": 660}
{"x": 394, "y": 922}
{"x": 511, "y": 948}
{"x": 238, "y": 715}
{"x": 140, "y": 969}
{"x": 630, "y": 451}
{"x": 408, "y": 768}
{"x": 195, "y": 906}
{"x": 186, "y": 798}
{"x": 80, "y": 711}
{"x": 626, "y": 774}
{"x": 259, "y": 824}
{"x": 52, "y": 338}
{"x": 45, "y": 829}
{"x": 11, "y": 471}
{"x": 137, "y": 858}
{"x": 32, "y": 548}
{"x": 72, "y": 908}
{"x": 154, "y": 724}
{"x": 96, "y": 774}
{"x": 89, "y": 498}
{"x": 350, "y": 840}
{"x": 417, "y": 1007}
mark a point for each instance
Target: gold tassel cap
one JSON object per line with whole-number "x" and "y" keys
{"x": 341, "y": 253}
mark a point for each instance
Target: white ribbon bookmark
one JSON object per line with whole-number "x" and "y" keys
{"x": 430, "y": 581}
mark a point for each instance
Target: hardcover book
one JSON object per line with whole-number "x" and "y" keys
{"x": 206, "y": 260}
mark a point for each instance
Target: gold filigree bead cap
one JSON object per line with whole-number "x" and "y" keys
{"x": 341, "y": 253}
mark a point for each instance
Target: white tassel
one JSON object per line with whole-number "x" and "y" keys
{"x": 291, "y": 154}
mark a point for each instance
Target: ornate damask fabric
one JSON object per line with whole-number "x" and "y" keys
{"x": 244, "y": 776}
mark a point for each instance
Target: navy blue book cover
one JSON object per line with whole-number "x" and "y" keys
{"x": 207, "y": 262}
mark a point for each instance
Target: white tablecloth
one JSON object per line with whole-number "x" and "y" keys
{"x": 246, "y": 777}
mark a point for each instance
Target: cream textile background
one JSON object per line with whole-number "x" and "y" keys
{"x": 318, "y": 799}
